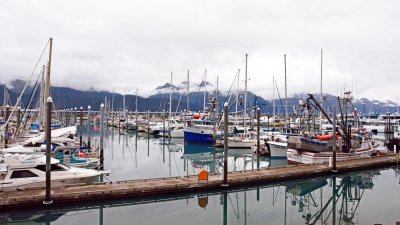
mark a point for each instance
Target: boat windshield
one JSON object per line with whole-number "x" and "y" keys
{"x": 54, "y": 167}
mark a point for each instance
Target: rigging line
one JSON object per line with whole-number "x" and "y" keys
{"x": 229, "y": 91}
{"x": 197, "y": 95}
{"x": 226, "y": 97}
{"x": 129, "y": 148}
{"x": 27, "y": 82}
{"x": 280, "y": 99}
{"x": 233, "y": 206}
{"x": 176, "y": 164}
{"x": 27, "y": 107}
{"x": 179, "y": 102}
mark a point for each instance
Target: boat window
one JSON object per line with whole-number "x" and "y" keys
{"x": 22, "y": 174}
{"x": 54, "y": 167}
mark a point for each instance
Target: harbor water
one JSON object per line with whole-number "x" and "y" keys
{"x": 368, "y": 197}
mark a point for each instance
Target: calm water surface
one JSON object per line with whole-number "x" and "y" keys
{"x": 369, "y": 197}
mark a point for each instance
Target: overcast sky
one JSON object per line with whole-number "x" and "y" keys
{"x": 124, "y": 45}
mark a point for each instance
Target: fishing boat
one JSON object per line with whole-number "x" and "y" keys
{"x": 362, "y": 147}
{"x": 350, "y": 143}
{"x": 200, "y": 131}
{"x": 20, "y": 171}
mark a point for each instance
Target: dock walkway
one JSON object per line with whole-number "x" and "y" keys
{"x": 180, "y": 185}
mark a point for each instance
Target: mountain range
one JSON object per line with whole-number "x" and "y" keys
{"x": 64, "y": 97}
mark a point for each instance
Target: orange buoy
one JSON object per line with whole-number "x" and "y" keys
{"x": 203, "y": 175}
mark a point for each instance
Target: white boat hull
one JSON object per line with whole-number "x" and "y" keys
{"x": 278, "y": 150}
{"x": 305, "y": 157}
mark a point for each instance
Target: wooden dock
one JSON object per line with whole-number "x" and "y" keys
{"x": 180, "y": 185}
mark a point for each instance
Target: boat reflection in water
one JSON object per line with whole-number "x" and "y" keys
{"x": 341, "y": 204}
{"x": 201, "y": 156}
{"x": 329, "y": 200}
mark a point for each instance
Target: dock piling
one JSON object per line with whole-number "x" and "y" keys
{"x": 75, "y": 115}
{"x": 334, "y": 170}
{"x": 258, "y": 130}
{"x": 101, "y": 135}
{"x": 48, "y": 200}
{"x": 225, "y": 183}
{"x": 81, "y": 125}
{"x": 19, "y": 117}
{"x": 88, "y": 128}
{"x": 6, "y": 137}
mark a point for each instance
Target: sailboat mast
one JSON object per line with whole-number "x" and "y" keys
{"x": 123, "y": 107}
{"x": 205, "y": 91}
{"x": 286, "y": 105}
{"x": 136, "y": 100}
{"x": 245, "y": 95}
{"x": 273, "y": 97}
{"x": 216, "y": 95}
{"x": 188, "y": 93}
{"x": 170, "y": 97}
{"x": 237, "y": 95}
{"x": 136, "y": 108}
{"x": 4, "y": 97}
{"x": 42, "y": 100}
{"x": 47, "y": 95}
{"x": 49, "y": 69}
{"x": 321, "y": 100}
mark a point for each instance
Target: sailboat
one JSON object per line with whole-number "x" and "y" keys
{"x": 28, "y": 170}
{"x": 245, "y": 139}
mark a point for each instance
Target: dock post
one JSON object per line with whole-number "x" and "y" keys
{"x": 334, "y": 193}
{"x": 163, "y": 148}
{"x": 81, "y": 125}
{"x": 18, "y": 117}
{"x": 48, "y": 200}
{"x": 75, "y": 115}
{"x": 163, "y": 118}
{"x": 101, "y": 135}
{"x": 258, "y": 131}
{"x": 88, "y": 128}
{"x": 225, "y": 183}
{"x": 148, "y": 122}
{"x": 66, "y": 117}
{"x": 6, "y": 130}
{"x": 225, "y": 213}
{"x": 395, "y": 152}
{"x": 334, "y": 170}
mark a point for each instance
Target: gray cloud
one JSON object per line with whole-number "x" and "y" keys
{"x": 124, "y": 45}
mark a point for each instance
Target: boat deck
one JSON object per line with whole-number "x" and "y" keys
{"x": 180, "y": 185}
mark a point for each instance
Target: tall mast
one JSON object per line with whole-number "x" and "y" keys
{"x": 42, "y": 100}
{"x": 188, "y": 93}
{"x": 136, "y": 110}
{"x": 205, "y": 91}
{"x": 123, "y": 107}
{"x": 5, "y": 97}
{"x": 321, "y": 100}
{"x": 48, "y": 70}
{"x": 245, "y": 95}
{"x": 170, "y": 97}
{"x": 48, "y": 83}
{"x": 216, "y": 95}
{"x": 273, "y": 97}
{"x": 237, "y": 95}
{"x": 136, "y": 101}
{"x": 286, "y": 105}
